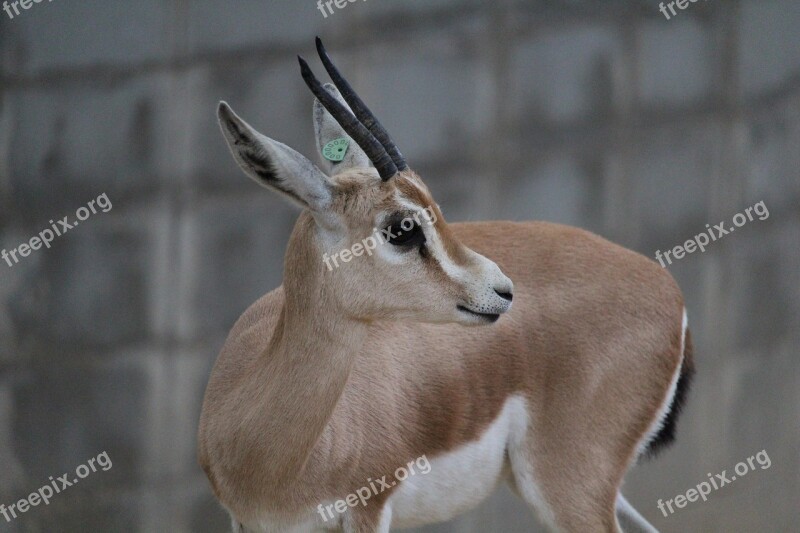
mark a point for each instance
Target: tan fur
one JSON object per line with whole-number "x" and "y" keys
{"x": 316, "y": 390}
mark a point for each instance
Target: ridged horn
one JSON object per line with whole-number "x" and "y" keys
{"x": 360, "y": 109}
{"x": 350, "y": 124}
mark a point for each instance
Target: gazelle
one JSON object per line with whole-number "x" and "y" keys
{"x": 342, "y": 375}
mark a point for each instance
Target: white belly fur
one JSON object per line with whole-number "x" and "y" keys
{"x": 456, "y": 482}
{"x": 461, "y": 479}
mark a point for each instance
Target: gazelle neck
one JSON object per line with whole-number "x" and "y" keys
{"x": 301, "y": 374}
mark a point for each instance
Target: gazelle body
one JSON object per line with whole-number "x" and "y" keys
{"x": 342, "y": 375}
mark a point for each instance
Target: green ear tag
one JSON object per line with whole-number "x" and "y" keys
{"x": 335, "y": 150}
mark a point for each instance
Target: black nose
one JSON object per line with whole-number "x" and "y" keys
{"x": 505, "y": 295}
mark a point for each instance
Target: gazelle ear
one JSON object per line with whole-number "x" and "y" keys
{"x": 338, "y": 151}
{"x": 273, "y": 164}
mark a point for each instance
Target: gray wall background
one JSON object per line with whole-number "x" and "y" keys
{"x": 599, "y": 114}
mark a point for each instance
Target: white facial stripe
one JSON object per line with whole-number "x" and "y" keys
{"x": 455, "y": 272}
{"x": 435, "y": 243}
{"x": 480, "y": 277}
{"x": 408, "y": 204}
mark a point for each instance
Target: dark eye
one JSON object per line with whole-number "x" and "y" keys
{"x": 405, "y": 233}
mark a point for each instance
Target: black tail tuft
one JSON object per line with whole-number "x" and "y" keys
{"x": 666, "y": 435}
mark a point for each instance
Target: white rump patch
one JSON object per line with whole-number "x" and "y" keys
{"x": 666, "y": 405}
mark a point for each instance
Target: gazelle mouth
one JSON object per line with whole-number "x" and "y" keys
{"x": 488, "y": 317}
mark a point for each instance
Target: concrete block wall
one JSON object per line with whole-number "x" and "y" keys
{"x": 602, "y": 115}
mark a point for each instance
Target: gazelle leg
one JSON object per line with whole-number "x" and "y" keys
{"x": 369, "y": 519}
{"x": 567, "y": 489}
{"x": 630, "y": 520}
{"x": 566, "y": 506}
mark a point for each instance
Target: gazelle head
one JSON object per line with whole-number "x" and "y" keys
{"x": 371, "y": 237}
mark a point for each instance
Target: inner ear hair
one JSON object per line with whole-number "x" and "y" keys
{"x": 273, "y": 164}
{"x": 259, "y": 164}
{"x": 246, "y": 147}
